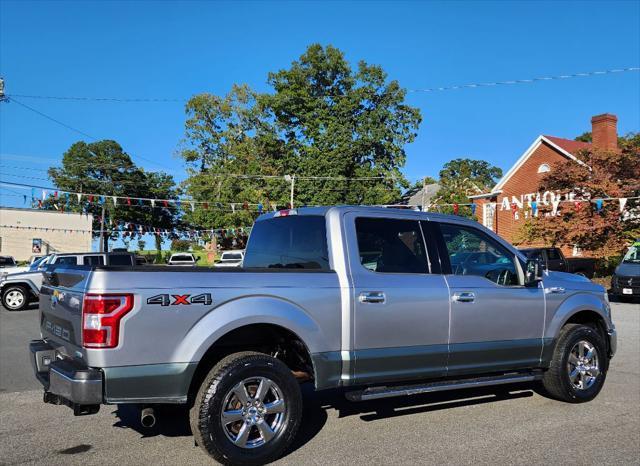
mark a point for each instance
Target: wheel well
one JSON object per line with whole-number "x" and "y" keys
{"x": 591, "y": 319}
{"x": 270, "y": 339}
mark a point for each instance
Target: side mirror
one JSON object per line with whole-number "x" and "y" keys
{"x": 197, "y": 258}
{"x": 533, "y": 272}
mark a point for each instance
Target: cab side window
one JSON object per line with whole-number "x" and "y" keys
{"x": 471, "y": 252}
{"x": 391, "y": 246}
{"x": 67, "y": 260}
{"x": 93, "y": 260}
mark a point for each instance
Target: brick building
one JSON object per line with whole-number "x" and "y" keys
{"x": 519, "y": 186}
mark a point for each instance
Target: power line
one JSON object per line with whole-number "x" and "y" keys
{"x": 525, "y": 81}
{"x": 417, "y": 90}
{"x": 44, "y": 115}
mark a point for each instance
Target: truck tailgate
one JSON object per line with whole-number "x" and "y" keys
{"x": 61, "y": 306}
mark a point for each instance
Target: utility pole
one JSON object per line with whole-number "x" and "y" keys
{"x": 292, "y": 179}
{"x": 293, "y": 182}
{"x": 3, "y": 97}
{"x": 424, "y": 192}
{"x": 102, "y": 247}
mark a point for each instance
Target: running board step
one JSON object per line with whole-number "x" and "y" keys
{"x": 374, "y": 393}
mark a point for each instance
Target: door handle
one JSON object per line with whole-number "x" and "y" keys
{"x": 373, "y": 297}
{"x": 555, "y": 290}
{"x": 464, "y": 297}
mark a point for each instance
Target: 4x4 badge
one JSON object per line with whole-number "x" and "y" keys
{"x": 178, "y": 299}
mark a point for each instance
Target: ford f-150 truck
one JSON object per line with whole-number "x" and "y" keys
{"x": 380, "y": 302}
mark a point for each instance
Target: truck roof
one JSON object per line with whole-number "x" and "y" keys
{"x": 324, "y": 210}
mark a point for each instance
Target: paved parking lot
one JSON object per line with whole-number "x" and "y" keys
{"x": 480, "y": 426}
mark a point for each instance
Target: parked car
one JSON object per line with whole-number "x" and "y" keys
{"x": 183, "y": 259}
{"x": 625, "y": 282}
{"x": 18, "y": 290}
{"x": 9, "y": 265}
{"x": 381, "y": 302}
{"x": 230, "y": 259}
{"x": 553, "y": 259}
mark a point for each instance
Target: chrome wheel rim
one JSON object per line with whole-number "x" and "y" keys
{"x": 583, "y": 365}
{"x": 14, "y": 299}
{"x": 253, "y": 412}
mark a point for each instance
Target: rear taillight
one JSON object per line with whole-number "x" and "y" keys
{"x": 101, "y": 316}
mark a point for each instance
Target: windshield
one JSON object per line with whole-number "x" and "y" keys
{"x": 36, "y": 263}
{"x": 633, "y": 254}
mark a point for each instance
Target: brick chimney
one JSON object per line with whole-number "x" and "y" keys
{"x": 603, "y": 131}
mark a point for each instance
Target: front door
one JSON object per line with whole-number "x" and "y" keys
{"x": 496, "y": 323}
{"x": 401, "y": 310}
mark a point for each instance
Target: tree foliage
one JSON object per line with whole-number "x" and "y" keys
{"x": 323, "y": 119}
{"x": 604, "y": 174}
{"x": 461, "y": 178}
{"x": 102, "y": 167}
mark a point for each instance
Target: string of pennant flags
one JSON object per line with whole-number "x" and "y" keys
{"x": 128, "y": 228}
{"x": 61, "y": 200}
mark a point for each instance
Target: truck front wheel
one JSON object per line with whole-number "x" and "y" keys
{"x": 248, "y": 409}
{"x": 579, "y": 365}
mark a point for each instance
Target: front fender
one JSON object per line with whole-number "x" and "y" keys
{"x": 34, "y": 288}
{"x": 247, "y": 310}
{"x": 575, "y": 303}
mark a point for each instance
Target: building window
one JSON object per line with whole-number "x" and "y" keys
{"x": 544, "y": 168}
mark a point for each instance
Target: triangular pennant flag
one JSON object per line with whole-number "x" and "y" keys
{"x": 598, "y": 205}
{"x": 456, "y": 208}
{"x": 233, "y": 207}
{"x": 260, "y": 208}
{"x": 128, "y": 201}
{"x": 534, "y": 208}
{"x": 578, "y": 205}
{"x": 44, "y": 194}
{"x": 153, "y": 202}
{"x": 623, "y": 202}
{"x": 79, "y": 196}
{"x": 193, "y": 206}
{"x": 115, "y": 200}
{"x": 245, "y": 205}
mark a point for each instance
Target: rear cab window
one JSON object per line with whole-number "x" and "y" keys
{"x": 120, "y": 259}
{"x": 292, "y": 242}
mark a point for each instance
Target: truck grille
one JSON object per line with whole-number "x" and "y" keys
{"x": 627, "y": 282}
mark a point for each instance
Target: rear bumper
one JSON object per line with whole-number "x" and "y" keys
{"x": 66, "y": 381}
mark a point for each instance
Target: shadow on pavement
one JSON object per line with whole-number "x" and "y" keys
{"x": 173, "y": 421}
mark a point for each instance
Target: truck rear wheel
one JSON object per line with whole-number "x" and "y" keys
{"x": 15, "y": 298}
{"x": 579, "y": 365}
{"x": 248, "y": 409}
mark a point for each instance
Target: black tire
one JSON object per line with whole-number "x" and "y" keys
{"x": 557, "y": 382}
{"x": 205, "y": 415}
{"x": 9, "y": 294}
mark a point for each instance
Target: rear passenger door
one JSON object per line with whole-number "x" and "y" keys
{"x": 401, "y": 310}
{"x": 496, "y": 322}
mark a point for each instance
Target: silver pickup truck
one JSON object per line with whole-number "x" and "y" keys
{"x": 379, "y": 302}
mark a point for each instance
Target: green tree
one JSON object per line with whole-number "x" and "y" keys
{"x": 461, "y": 178}
{"x": 324, "y": 119}
{"x": 103, "y": 168}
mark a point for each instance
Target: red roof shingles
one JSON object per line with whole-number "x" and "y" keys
{"x": 571, "y": 146}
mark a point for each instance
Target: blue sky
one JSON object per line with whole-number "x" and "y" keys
{"x": 177, "y": 49}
